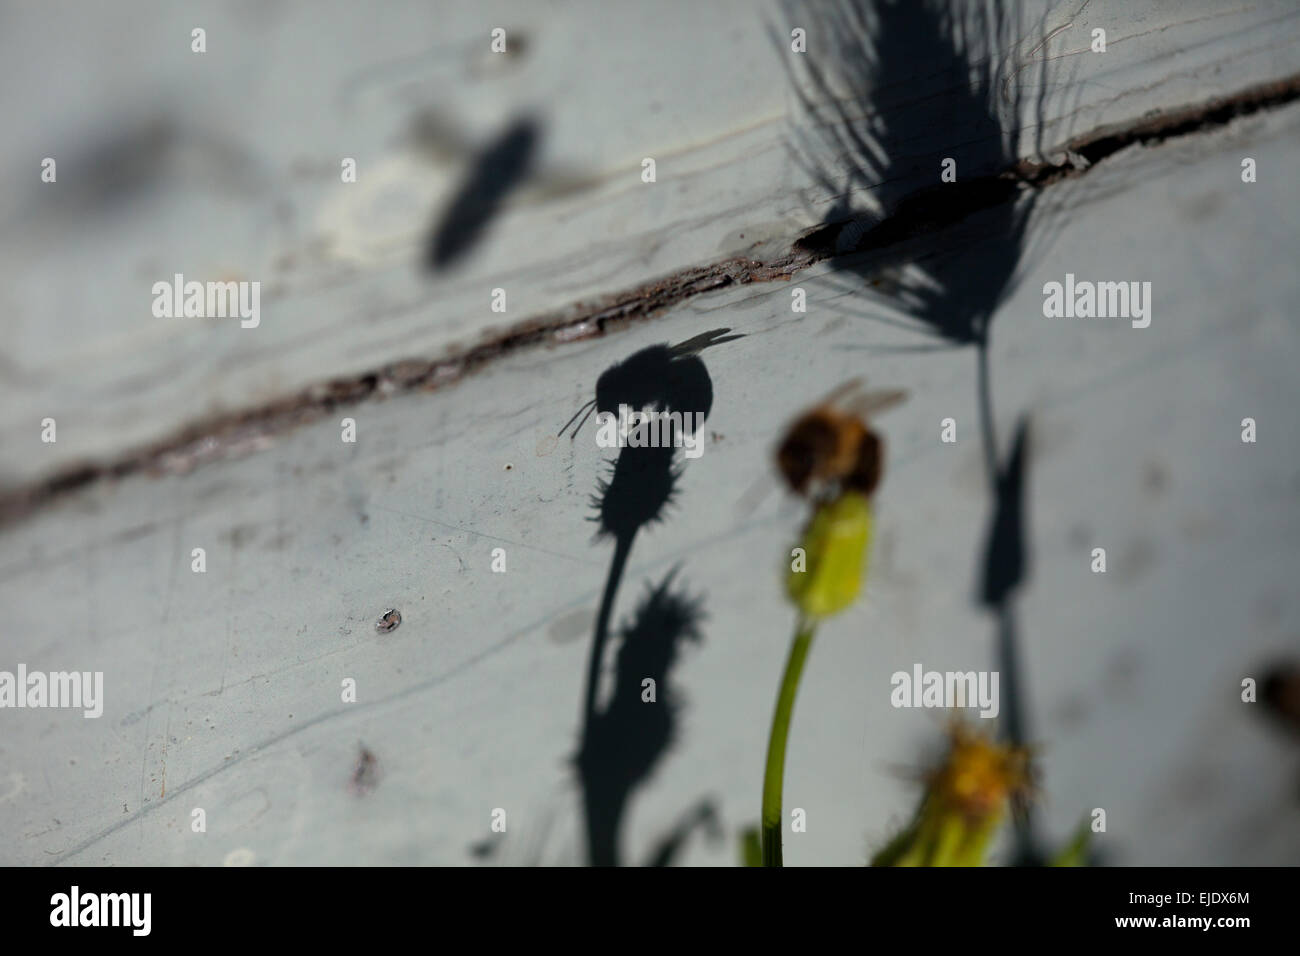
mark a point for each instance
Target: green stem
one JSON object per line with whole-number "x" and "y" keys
{"x": 772, "y": 779}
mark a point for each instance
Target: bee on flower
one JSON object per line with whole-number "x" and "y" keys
{"x": 831, "y": 456}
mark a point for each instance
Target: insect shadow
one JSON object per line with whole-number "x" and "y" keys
{"x": 505, "y": 163}
{"x": 912, "y": 88}
{"x": 622, "y": 742}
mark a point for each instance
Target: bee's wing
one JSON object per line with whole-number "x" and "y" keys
{"x": 841, "y": 393}
{"x": 866, "y": 404}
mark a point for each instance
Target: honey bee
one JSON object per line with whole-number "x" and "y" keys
{"x": 831, "y": 446}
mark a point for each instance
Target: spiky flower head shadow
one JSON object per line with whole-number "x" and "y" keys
{"x": 642, "y": 483}
{"x": 895, "y": 90}
{"x": 626, "y": 739}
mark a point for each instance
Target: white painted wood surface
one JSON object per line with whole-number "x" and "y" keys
{"x": 226, "y": 165}
{"x": 223, "y": 688}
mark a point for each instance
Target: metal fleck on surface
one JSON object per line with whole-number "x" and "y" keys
{"x": 392, "y": 617}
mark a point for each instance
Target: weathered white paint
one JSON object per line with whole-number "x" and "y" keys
{"x": 223, "y": 688}
{"x": 233, "y": 171}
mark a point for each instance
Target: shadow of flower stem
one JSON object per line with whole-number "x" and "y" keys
{"x": 622, "y": 549}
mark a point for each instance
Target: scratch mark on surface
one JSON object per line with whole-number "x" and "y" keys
{"x": 530, "y": 629}
{"x": 489, "y": 537}
{"x": 225, "y": 658}
{"x": 166, "y": 739}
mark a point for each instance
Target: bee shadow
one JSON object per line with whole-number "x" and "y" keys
{"x": 621, "y": 742}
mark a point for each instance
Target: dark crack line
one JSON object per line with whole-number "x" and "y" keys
{"x": 927, "y": 212}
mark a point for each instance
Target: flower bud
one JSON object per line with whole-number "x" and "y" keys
{"x": 835, "y": 554}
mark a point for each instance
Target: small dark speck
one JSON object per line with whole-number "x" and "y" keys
{"x": 1071, "y": 711}
{"x": 392, "y": 617}
{"x": 509, "y": 467}
{"x": 365, "y": 775}
{"x": 1155, "y": 479}
{"x": 1121, "y": 671}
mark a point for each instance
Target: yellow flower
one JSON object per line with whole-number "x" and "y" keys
{"x": 965, "y": 801}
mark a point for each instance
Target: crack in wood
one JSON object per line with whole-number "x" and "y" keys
{"x": 927, "y": 212}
